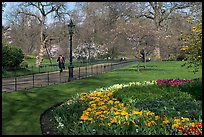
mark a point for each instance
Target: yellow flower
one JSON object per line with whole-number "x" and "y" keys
{"x": 137, "y": 112}
{"x": 165, "y": 121}
{"x": 98, "y": 113}
{"x": 93, "y": 105}
{"x": 90, "y": 119}
{"x": 124, "y": 113}
{"x": 192, "y": 124}
{"x": 100, "y": 103}
{"x": 148, "y": 124}
{"x": 110, "y": 102}
{"x": 128, "y": 123}
{"x": 116, "y": 113}
{"x": 153, "y": 122}
{"x": 113, "y": 120}
{"x": 103, "y": 108}
{"x": 174, "y": 126}
{"x": 156, "y": 117}
{"x": 110, "y": 93}
{"x": 177, "y": 121}
{"x": 101, "y": 118}
{"x": 116, "y": 102}
{"x": 88, "y": 109}
{"x": 82, "y": 98}
{"x": 149, "y": 113}
{"x": 194, "y": 29}
{"x": 84, "y": 117}
{"x": 188, "y": 20}
{"x": 185, "y": 119}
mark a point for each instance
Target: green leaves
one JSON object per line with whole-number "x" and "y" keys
{"x": 11, "y": 56}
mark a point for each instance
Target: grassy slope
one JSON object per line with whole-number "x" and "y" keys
{"x": 21, "y": 110}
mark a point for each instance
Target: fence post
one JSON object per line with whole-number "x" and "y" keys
{"x": 60, "y": 77}
{"x": 96, "y": 70}
{"x": 91, "y": 70}
{"x": 33, "y": 76}
{"x": 79, "y": 72}
{"x": 86, "y": 71}
{"x": 48, "y": 77}
{"x": 15, "y": 81}
{"x": 101, "y": 69}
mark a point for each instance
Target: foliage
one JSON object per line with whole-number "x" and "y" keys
{"x": 181, "y": 57}
{"x": 30, "y": 57}
{"x": 104, "y": 114}
{"x": 193, "y": 45}
{"x": 11, "y": 56}
{"x": 193, "y": 88}
{"x": 24, "y": 64}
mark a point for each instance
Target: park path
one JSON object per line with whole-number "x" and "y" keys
{"x": 49, "y": 78}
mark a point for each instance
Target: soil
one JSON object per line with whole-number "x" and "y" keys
{"x": 46, "y": 124}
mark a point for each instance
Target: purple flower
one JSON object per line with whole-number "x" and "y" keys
{"x": 174, "y": 133}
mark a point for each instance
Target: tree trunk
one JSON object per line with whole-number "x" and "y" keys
{"x": 39, "y": 57}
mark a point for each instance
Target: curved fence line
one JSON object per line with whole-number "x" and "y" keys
{"x": 44, "y": 79}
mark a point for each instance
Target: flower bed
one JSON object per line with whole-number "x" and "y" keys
{"x": 104, "y": 114}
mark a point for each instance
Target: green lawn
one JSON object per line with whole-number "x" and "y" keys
{"x": 46, "y": 66}
{"x": 21, "y": 110}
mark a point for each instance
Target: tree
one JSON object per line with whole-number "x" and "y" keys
{"x": 3, "y": 6}
{"x": 25, "y": 32}
{"x": 192, "y": 45}
{"x": 86, "y": 51}
{"x": 44, "y": 9}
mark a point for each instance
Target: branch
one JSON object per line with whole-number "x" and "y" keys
{"x": 29, "y": 14}
{"x": 147, "y": 16}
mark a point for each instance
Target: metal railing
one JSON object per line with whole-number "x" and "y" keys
{"x": 36, "y": 80}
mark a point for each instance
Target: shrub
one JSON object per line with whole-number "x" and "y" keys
{"x": 11, "y": 56}
{"x": 181, "y": 57}
{"x": 30, "y": 57}
{"x": 194, "y": 88}
{"x": 24, "y": 64}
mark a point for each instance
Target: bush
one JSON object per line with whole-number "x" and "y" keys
{"x": 11, "y": 56}
{"x": 30, "y": 57}
{"x": 24, "y": 64}
{"x": 181, "y": 57}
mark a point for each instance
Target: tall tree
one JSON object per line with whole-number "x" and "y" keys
{"x": 43, "y": 10}
{"x": 160, "y": 12}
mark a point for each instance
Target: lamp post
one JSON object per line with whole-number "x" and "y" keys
{"x": 70, "y": 27}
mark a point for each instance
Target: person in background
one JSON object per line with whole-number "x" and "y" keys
{"x": 61, "y": 61}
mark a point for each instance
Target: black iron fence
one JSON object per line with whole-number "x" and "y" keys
{"x": 44, "y": 79}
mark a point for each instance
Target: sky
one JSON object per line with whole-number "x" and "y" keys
{"x": 11, "y": 5}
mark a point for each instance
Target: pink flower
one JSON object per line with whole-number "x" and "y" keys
{"x": 172, "y": 82}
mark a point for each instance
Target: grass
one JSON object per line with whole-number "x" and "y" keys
{"x": 21, "y": 110}
{"x": 46, "y": 66}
